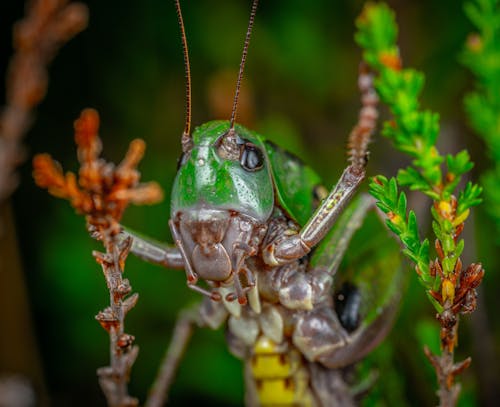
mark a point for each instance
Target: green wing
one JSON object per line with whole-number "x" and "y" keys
{"x": 294, "y": 183}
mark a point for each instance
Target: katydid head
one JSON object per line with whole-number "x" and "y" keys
{"x": 222, "y": 196}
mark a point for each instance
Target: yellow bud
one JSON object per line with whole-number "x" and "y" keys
{"x": 445, "y": 207}
{"x": 461, "y": 218}
{"x": 448, "y": 290}
{"x": 394, "y": 218}
{"x": 475, "y": 43}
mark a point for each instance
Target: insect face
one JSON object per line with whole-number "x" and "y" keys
{"x": 222, "y": 199}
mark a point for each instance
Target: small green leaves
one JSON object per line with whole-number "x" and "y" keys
{"x": 411, "y": 178}
{"x": 469, "y": 197}
{"x": 482, "y": 56}
{"x": 482, "y": 112}
{"x": 457, "y": 166}
{"x": 414, "y": 131}
{"x": 377, "y": 40}
{"x": 403, "y": 225}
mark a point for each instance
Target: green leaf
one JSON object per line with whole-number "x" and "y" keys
{"x": 411, "y": 178}
{"x": 469, "y": 197}
{"x": 460, "y": 163}
{"x": 394, "y": 228}
{"x": 393, "y": 191}
{"x": 459, "y": 248}
{"x": 402, "y": 204}
{"x": 437, "y": 306}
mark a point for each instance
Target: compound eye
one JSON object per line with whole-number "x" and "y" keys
{"x": 251, "y": 158}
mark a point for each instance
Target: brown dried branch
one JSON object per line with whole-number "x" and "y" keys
{"x": 101, "y": 193}
{"x": 446, "y": 372}
{"x": 47, "y": 26}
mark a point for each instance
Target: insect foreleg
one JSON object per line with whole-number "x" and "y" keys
{"x": 296, "y": 246}
{"x": 299, "y": 290}
{"x": 154, "y": 252}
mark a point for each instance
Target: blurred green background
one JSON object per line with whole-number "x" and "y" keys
{"x": 300, "y": 91}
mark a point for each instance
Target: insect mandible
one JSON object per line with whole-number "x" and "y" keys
{"x": 254, "y": 224}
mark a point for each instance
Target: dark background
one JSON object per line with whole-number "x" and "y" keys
{"x": 299, "y": 91}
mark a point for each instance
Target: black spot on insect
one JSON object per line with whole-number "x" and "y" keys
{"x": 304, "y": 259}
{"x": 347, "y": 306}
{"x": 251, "y": 158}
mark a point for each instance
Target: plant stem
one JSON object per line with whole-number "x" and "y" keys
{"x": 102, "y": 192}
{"x": 114, "y": 378}
{"x": 444, "y": 364}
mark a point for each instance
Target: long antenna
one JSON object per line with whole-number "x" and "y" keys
{"x": 242, "y": 64}
{"x": 186, "y": 138}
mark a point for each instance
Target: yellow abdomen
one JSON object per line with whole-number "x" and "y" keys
{"x": 280, "y": 375}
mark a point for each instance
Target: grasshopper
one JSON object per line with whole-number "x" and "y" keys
{"x": 255, "y": 225}
{"x": 262, "y": 240}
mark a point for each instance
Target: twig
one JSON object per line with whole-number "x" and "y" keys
{"x": 48, "y": 24}
{"x": 102, "y": 193}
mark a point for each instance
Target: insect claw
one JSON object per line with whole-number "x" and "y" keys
{"x": 216, "y": 296}
{"x": 201, "y": 290}
{"x": 191, "y": 278}
{"x": 242, "y": 298}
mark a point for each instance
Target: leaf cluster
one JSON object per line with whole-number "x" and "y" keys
{"x": 414, "y": 131}
{"x": 482, "y": 56}
{"x": 404, "y": 225}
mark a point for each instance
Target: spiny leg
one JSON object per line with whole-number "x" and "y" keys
{"x": 296, "y": 246}
{"x": 154, "y": 252}
{"x": 146, "y": 248}
{"x": 164, "y": 255}
{"x": 183, "y": 331}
